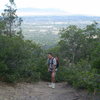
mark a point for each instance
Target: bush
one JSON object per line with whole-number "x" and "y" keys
{"x": 22, "y": 60}
{"x": 18, "y": 57}
{"x": 82, "y": 75}
{"x": 61, "y": 74}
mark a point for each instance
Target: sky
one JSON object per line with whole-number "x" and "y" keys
{"x": 77, "y": 7}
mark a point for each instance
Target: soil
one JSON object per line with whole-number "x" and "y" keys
{"x": 40, "y": 91}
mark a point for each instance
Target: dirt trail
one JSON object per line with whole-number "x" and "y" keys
{"x": 39, "y": 91}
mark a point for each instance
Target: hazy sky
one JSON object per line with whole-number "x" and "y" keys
{"x": 84, "y": 7}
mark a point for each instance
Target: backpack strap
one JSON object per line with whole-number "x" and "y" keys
{"x": 51, "y": 61}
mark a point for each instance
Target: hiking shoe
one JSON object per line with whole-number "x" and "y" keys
{"x": 50, "y": 85}
{"x": 53, "y": 85}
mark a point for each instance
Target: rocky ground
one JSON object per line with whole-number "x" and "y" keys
{"x": 40, "y": 91}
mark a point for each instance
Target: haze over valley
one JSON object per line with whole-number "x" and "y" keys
{"x": 44, "y": 29}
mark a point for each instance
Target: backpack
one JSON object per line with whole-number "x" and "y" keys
{"x": 57, "y": 61}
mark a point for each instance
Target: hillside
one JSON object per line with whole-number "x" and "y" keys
{"x": 44, "y": 29}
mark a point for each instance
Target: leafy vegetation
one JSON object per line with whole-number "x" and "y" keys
{"x": 18, "y": 58}
{"x": 11, "y": 22}
{"x": 80, "y": 51}
{"x": 24, "y": 60}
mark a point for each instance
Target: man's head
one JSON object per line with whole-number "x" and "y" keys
{"x": 50, "y": 55}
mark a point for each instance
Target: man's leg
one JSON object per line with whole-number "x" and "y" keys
{"x": 52, "y": 85}
{"x": 53, "y": 79}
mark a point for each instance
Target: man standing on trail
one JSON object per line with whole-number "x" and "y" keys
{"x": 52, "y": 69}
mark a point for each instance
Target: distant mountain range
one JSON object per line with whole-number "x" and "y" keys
{"x": 74, "y": 19}
{"x": 43, "y": 12}
{"x": 40, "y": 11}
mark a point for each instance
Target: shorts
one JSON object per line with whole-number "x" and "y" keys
{"x": 51, "y": 70}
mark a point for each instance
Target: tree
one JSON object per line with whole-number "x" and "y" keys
{"x": 12, "y": 21}
{"x": 82, "y": 48}
{"x": 77, "y": 43}
{"x": 2, "y": 25}
{"x": 71, "y": 43}
{"x": 11, "y": 1}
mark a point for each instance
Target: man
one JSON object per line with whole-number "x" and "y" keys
{"x": 52, "y": 69}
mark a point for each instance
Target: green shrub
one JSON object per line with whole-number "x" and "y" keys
{"x": 22, "y": 60}
{"x": 82, "y": 75}
{"x": 61, "y": 74}
{"x": 16, "y": 57}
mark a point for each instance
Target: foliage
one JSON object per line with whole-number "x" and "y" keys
{"x": 2, "y": 25}
{"x": 24, "y": 60}
{"x": 11, "y": 20}
{"x": 81, "y": 75}
{"x": 80, "y": 51}
{"x": 76, "y": 43}
{"x": 18, "y": 58}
